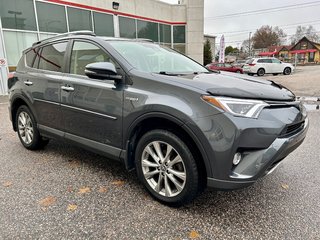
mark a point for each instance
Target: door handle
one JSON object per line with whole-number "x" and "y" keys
{"x": 28, "y": 83}
{"x": 67, "y": 88}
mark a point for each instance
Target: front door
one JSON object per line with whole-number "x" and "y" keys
{"x": 91, "y": 108}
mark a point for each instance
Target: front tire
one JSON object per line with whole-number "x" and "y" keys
{"x": 28, "y": 132}
{"x": 167, "y": 168}
{"x": 287, "y": 71}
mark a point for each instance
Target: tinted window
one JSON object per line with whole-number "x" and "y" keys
{"x": 84, "y": 53}
{"x": 179, "y": 38}
{"x": 268, "y": 60}
{"x": 79, "y": 19}
{"x": 51, "y": 57}
{"x": 51, "y": 17}
{"x": 276, "y": 61}
{"x": 18, "y": 14}
{"x": 127, "y": 27}
{"x": 148, "y": 30}
{"x": 30, "y": 57}
{"x": 103, "y": 24}
{"x": 261, "y": 61}
{"x": 165, "y": 33}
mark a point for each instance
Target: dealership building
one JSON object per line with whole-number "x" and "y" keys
{"x": 23, "y": 22}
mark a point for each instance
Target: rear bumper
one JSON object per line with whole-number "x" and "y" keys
{"x": 256, "y": 164}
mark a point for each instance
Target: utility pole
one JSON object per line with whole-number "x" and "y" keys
{"x": 249, "y": 44}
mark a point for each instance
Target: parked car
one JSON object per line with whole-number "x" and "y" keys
{"x": 224, "y": 67}
{"x": 180, "y": 126}
{"x": 261, "y": 66}
{"x": 239, "y": 63}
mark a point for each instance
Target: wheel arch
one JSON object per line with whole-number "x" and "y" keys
{"x": 16, "y": 102}
{"x": 158, "y": 120}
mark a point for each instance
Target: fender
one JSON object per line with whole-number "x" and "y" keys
{"x": 127, "y": 135}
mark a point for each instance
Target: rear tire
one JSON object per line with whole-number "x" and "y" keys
{"x": 261, "y": 72}
{"x": 28, "y": 132}
{"x": 167, "y": 168}
{"x": 238, "y": 71}
{"x": 287, "y": 71}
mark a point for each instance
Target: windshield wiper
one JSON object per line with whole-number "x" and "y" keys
{"x": 179, "y": 73}
{"x": 172, "y": 73}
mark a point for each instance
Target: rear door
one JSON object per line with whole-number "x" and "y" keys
{"x": 91, "y": 108}
{"x": 43, "y": 78}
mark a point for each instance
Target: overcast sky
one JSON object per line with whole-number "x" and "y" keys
{"x": 287, "y": 19}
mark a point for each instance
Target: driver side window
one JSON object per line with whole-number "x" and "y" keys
{"x": 84, "y": 53}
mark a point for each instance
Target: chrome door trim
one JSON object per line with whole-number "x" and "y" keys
{"x": 78, "y": 109}
{"x": 45, "y": 101}
{"x": 88, "y": 111}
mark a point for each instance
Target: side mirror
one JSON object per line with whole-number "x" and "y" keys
{"x": 102, "y": 71}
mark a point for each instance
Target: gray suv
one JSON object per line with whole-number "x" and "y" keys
{"x": 180, "y": 126}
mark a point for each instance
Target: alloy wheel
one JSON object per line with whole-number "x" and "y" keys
{"x": 25, "y": 128}
{"x": 163, "y": 168}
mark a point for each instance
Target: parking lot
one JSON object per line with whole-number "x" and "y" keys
{"x": 303, "y": 82}
{"x": 64, "y": 192}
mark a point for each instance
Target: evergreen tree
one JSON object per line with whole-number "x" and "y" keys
{"x": 207, "y": 53}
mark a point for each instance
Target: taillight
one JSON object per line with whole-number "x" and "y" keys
{"x": 252, "y": 64}
{"x": 10, "y": 75}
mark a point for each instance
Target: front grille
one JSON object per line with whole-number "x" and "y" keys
{"x": 289, "y": 129}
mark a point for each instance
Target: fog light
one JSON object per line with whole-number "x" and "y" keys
{"x": 236, "y": 158}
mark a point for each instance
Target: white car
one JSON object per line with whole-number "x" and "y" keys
{"x": 261, "y": 66}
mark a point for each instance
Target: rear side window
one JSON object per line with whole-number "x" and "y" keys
{"x": 261, "y": 61}
{"x": 52, "y": 56}
{"x": 30, "y": 56}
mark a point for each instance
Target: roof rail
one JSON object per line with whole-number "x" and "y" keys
{"x": 144, "y": 39}
{"x": 74, "y": 33}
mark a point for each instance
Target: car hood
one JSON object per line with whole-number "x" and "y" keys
{"x": 238, "y": 86}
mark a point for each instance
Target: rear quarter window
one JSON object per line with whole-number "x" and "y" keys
{"x": 250, "y": 61}
{"x": 30, "y": 56}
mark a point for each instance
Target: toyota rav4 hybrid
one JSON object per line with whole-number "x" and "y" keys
{"x": 261, "y": 66}
{"x": 180, "y": 126}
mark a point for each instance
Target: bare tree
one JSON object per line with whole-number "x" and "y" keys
{"x": 245, "y": 46}
{"x": 267, "y": 36}
{"x": 310, "y": 32}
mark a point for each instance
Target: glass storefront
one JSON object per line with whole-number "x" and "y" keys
{"x": 148, "y": 30}
{"x": 103, "y": 24}
{"x": 51, "y": 18}
{"x": 16, "y": 42}
{"x": 128, "y": 28}
{"x": 27, "y": 21}
{"x": 18, "y": 14}
{"x": 79, "y": 19}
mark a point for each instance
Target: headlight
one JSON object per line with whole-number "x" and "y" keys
{"x": 238, "y": 107}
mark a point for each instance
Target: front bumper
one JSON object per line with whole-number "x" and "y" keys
{"x": 256, "y": 164}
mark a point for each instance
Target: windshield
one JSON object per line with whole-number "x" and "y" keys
{"x": 149, "y": 57}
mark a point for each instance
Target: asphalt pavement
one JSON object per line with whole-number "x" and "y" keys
{"x": 65, "y": 192}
